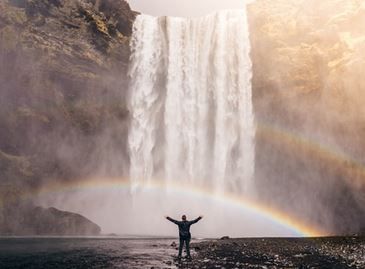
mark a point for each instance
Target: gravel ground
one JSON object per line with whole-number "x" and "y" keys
{"x": 331, "y": 253}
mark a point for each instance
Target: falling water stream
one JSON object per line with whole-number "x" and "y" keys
{"x": 191, "y": 135}
{"x": 191, "y": 138}
{"x": 190, "y": 102}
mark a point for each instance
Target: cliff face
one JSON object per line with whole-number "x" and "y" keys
{"x": 63, "y": 80}
{"x": 63, "y": 68}
{"x": 309, "y": 94}
{"x": 304, "y": 48}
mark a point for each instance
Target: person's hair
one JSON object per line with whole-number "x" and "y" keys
{"x": 183, "y": 217}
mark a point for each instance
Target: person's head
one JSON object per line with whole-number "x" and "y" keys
{"x": 183, "y": 217}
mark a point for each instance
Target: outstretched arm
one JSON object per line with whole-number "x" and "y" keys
{"x": 196, "y": 220}
{"x": 172, "y": 220}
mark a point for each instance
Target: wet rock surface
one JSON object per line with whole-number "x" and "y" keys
{"x": 106, "y": 252}
{"x": 336, "y": 252}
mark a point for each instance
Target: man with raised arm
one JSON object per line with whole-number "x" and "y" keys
{"x": 184, "y": 233}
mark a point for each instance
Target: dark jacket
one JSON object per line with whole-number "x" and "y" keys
{"x": 184, "y": 227}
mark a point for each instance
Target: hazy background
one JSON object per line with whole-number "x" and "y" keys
{"x": 63, "y": 116}
{"x": 184, "y": 8}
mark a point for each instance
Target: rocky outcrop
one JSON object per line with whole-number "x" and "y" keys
{"x": 49, "y": 221}
{"x": 18, "y": 216}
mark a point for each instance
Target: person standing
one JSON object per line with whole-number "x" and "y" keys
{"x": 184, "y": 233}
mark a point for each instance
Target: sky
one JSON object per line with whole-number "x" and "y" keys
{"x": 184, "y": 8}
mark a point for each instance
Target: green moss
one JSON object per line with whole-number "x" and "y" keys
{"x": 29, "y": 113}
{"x": 12, "y": 15}
{"x": 19, "y": 17}
{"x": 101, "y": 26}
{"x": 9, "y": 38}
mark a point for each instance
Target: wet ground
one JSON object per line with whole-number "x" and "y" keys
{"x": 339, "y": 252}
{"x": 331, "y": 253}
{"x": 85, "y": 253}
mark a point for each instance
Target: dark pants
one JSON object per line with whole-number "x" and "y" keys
{"x": 187, "y": 245}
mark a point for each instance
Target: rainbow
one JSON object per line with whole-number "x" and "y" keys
{"x": 283, "y": 138}
{"x": 351, "y": 169}
{"x": 271, "y": 214}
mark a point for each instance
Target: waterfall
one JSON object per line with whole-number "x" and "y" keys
{"x": 190, "y": 102}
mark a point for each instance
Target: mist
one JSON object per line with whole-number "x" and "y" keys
{"x": 188, "y": 8}
{"x": 142, "y": 214}
{"x": 308, "y": 111}
{"x": 65, "y": 118}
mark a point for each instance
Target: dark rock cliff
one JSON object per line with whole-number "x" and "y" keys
{"x": 63, "y": 77}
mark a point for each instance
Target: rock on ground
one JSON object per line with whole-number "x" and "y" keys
{"x": 321, "y": 253}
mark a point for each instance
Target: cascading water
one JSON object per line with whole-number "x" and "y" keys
{"x": 190, "y": 102}
{"x": 191, "y": 136}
